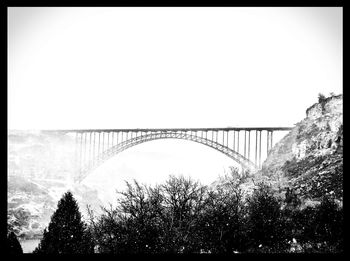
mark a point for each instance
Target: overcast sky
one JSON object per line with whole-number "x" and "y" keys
{"x": 169, "y": 67}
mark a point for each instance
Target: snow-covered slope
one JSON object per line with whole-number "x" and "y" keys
{"x": 39, "y": 173}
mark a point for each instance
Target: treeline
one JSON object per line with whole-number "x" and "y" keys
{"x": 182, "y": 216}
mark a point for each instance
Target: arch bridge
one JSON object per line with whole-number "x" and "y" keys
{"x": 244, "y": 145}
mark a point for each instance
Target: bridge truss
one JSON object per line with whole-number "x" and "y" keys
{"x": 244, "y": 145}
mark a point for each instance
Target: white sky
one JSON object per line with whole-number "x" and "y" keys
{"x": 169, "y": 67}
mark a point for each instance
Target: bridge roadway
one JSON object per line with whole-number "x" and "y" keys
{"x": 175, "y": 129}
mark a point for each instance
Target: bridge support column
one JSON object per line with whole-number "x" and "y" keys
{"x": 103, "y": 141}
{"x": 99, "y": 142}
{"x": 256, "y": 147}
{"x": 271, "y": 140}
{"x": 93, "y": 149}
{"x": 85, "y": 149}
{"x": 249, "y": 144}
{"x": 89, "y": 148}
{"x": 267, "y": 142}
{"x": 76, "y": 159}
{"x": 226, "y": 138}
{"x": 234, "y": 139}
{"x": 260, "y": 149}
{"x": 245, "y": 140}
{"x": 81, "y": 153}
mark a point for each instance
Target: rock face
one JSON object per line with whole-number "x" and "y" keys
{"x": 331, "y": 105}
{"x": 310, "y": 156}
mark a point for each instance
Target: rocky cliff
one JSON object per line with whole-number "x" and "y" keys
{"x": 309, "y": 159}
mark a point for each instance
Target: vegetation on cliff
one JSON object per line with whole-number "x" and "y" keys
{"x": 310, "y": 157}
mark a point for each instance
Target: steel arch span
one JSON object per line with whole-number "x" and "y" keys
{"x": 95, "y": 146}
{"x": 109, "y": 153}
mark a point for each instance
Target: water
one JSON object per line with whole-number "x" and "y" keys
{"x": 28, "y": 245}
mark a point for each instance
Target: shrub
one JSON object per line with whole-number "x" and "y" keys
{"x": 321, "y": 98}
{"x": 329, "y": 222}
{"x": 265, "y": 225}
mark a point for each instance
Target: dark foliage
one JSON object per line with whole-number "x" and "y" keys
{"x": 329, "y": 222}
{"x": 66, "y": 233}
{"x": 13, "y": 246}
{"x": 182, "y": 216}
{"x": 321, "y": 98}
{"x": 222, "y": 223}
{"x": 265, "y": 226}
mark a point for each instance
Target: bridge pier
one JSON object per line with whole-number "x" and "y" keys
{"x": 248, "y": 144}
{"x": 256, "y": 147}
{"x": 238, "y": 141}
{"x": 245, "y": 139}
{"x": 260, "y": 149}
{"x": 234, "y": 141}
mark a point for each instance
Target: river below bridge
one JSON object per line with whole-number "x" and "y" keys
{"x": 28, "y": 245}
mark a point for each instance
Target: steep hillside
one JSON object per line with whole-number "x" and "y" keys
{"x": 39, "y": 173}
{"x": 310, "y": 157}
{"x": 29, "y": 207}
{"x": 31, "y": 203}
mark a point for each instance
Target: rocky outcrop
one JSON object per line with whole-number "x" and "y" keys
{"x": 310, "y": 156}
{"x": 330, "y": 105}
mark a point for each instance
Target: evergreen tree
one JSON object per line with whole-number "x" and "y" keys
{"x": 66, "y": 233}
{"x": 13, "y": 246}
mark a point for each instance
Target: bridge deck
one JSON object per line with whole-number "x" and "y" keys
{"x": 177, "y": 129}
